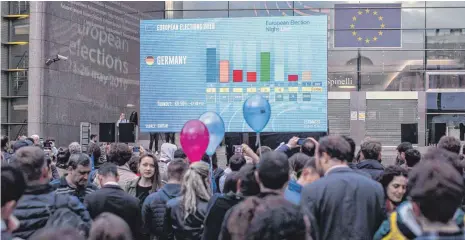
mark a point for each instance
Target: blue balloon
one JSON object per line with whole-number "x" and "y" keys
{"x": 215, "y": 125}
{"x": 257, "y": 112}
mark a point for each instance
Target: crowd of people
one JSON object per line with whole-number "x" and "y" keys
{"x": 321, "y": 190}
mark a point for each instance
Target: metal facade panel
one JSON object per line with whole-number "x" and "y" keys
{"x": 339, "y": 116}
{"x": 384, "y": 119}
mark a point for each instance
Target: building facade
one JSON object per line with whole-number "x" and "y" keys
{"x": 414, "y": 92}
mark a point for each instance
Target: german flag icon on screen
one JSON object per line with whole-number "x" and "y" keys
{"x": 149, "y": 60}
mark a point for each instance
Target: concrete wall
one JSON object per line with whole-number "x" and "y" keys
{"x": 100, "y": 77}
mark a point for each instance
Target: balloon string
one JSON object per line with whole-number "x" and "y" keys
{"x": 259, "y": 144}
{"x": 212, "y": 178}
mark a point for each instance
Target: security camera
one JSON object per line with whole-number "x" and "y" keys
{"x": 60, "y": 57}
{"x": 57, "y": 58}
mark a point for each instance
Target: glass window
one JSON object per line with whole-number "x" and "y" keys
{"x": 200, "y": 5}
{"x": 17, "y": 130}
{"x": 20, "y": 30}
{"x": 311, "y": 11}
{"x": 198, "y": 14}
{"x": 445, "y": 4}
{"x": 445, "y": 81}
{"x": 445, "y": 102}
{"x": 19, "y": 56}
{"x": 445, "y": 18}
{"x": 17, "y": 110}
{"x": 259, "y": 13}
{"x": 342, "y": 61}
{"x": 18, "y": 84}
{"x": 318, "y": 4}
{"x": 4, "y": 110}
{"x": 446, "y": 38}
{"x": 413, "y": 18}
{"x": 391, "y": 61}
{"x": 261, "y": 5}
{"x": 438, "y": 125}
{"x": 392, "y": 81}
{"x": 445, "y": 59}
{"x": 19, "y": 7}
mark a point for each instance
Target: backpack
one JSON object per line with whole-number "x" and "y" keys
{"x": 64, "y": 217}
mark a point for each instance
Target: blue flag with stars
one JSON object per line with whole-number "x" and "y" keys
{"x": 367, "y": 25}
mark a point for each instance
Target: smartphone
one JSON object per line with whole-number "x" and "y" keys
{"x": 301, "y": 141}
{"x": 135, "y": 149}
{"x": 238, "y": 149}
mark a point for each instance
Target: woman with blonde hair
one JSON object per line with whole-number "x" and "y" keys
{"x": 149, "y": 180}
{"x": 185, "y": 214}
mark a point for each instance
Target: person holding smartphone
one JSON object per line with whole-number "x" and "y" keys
{"x": 305, "y": 145}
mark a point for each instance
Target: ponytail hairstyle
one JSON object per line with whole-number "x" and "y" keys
{"x": 195, "y": 185}
{"x": 297, "y": 163}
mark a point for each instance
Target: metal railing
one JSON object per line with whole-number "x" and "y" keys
{"x": 20, "y": 77}
{"x": 20, "y": 132}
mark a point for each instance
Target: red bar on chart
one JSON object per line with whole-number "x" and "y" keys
{"x": 251, "y": 76}
{"x": 237, "y": 75}
{"x": 292, "y": 78}
{"x": 224, "y": 71}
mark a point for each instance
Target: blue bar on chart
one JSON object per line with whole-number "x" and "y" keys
{"x": 212, "y": 68}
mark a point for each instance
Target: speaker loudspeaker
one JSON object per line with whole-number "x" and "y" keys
{"x": 126, "y": 133}
{"x": 106, "y": 132}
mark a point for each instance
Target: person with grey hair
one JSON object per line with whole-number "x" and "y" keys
{"x": 75, "y": 182}
{"x": 36, "y": 139}
{"x": 370, "y": 155}
{"x": 74, "y": 148}
{"x": 39, "y": 200}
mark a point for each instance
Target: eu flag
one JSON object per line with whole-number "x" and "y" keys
{"x": 367, "y": 25}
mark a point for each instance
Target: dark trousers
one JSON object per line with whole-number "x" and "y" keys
{"x": 170, "y": 137}
{"x": 153, "y": 139}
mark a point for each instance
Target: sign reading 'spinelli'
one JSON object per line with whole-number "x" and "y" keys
{"x": 150, "y": 60}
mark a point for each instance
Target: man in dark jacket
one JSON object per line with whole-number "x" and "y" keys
{"x": 343, "y": 204}
{"x": 219, "y": 204}
{"x": 370, "y": 153}
{"x": 39, "y": 201}
{"x": 154, "y": 207}
{"x": 75, "y": 182}
{"x": 272, "y": 175}
{"x": 13, "y": 186}
{"x": 401, "y": 149}
{"x": 112, "y": 198}
{"x": 350, "y": 158}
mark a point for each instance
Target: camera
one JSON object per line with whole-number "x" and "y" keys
{"x": 57, "y": 58}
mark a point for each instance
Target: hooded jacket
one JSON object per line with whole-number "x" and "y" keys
{"x": 166, "y": 156}
{"x": 402, "y": 225}
{"x": 373, "y": 167}
{"x": 154, "y": 208}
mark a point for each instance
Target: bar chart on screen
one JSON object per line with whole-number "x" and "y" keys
{"x": 216, "y": 64}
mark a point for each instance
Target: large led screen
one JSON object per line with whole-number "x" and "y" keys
{"x": 190, "y": 66}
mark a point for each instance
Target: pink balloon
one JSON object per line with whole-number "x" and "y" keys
{"x": 194, "y": 139}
